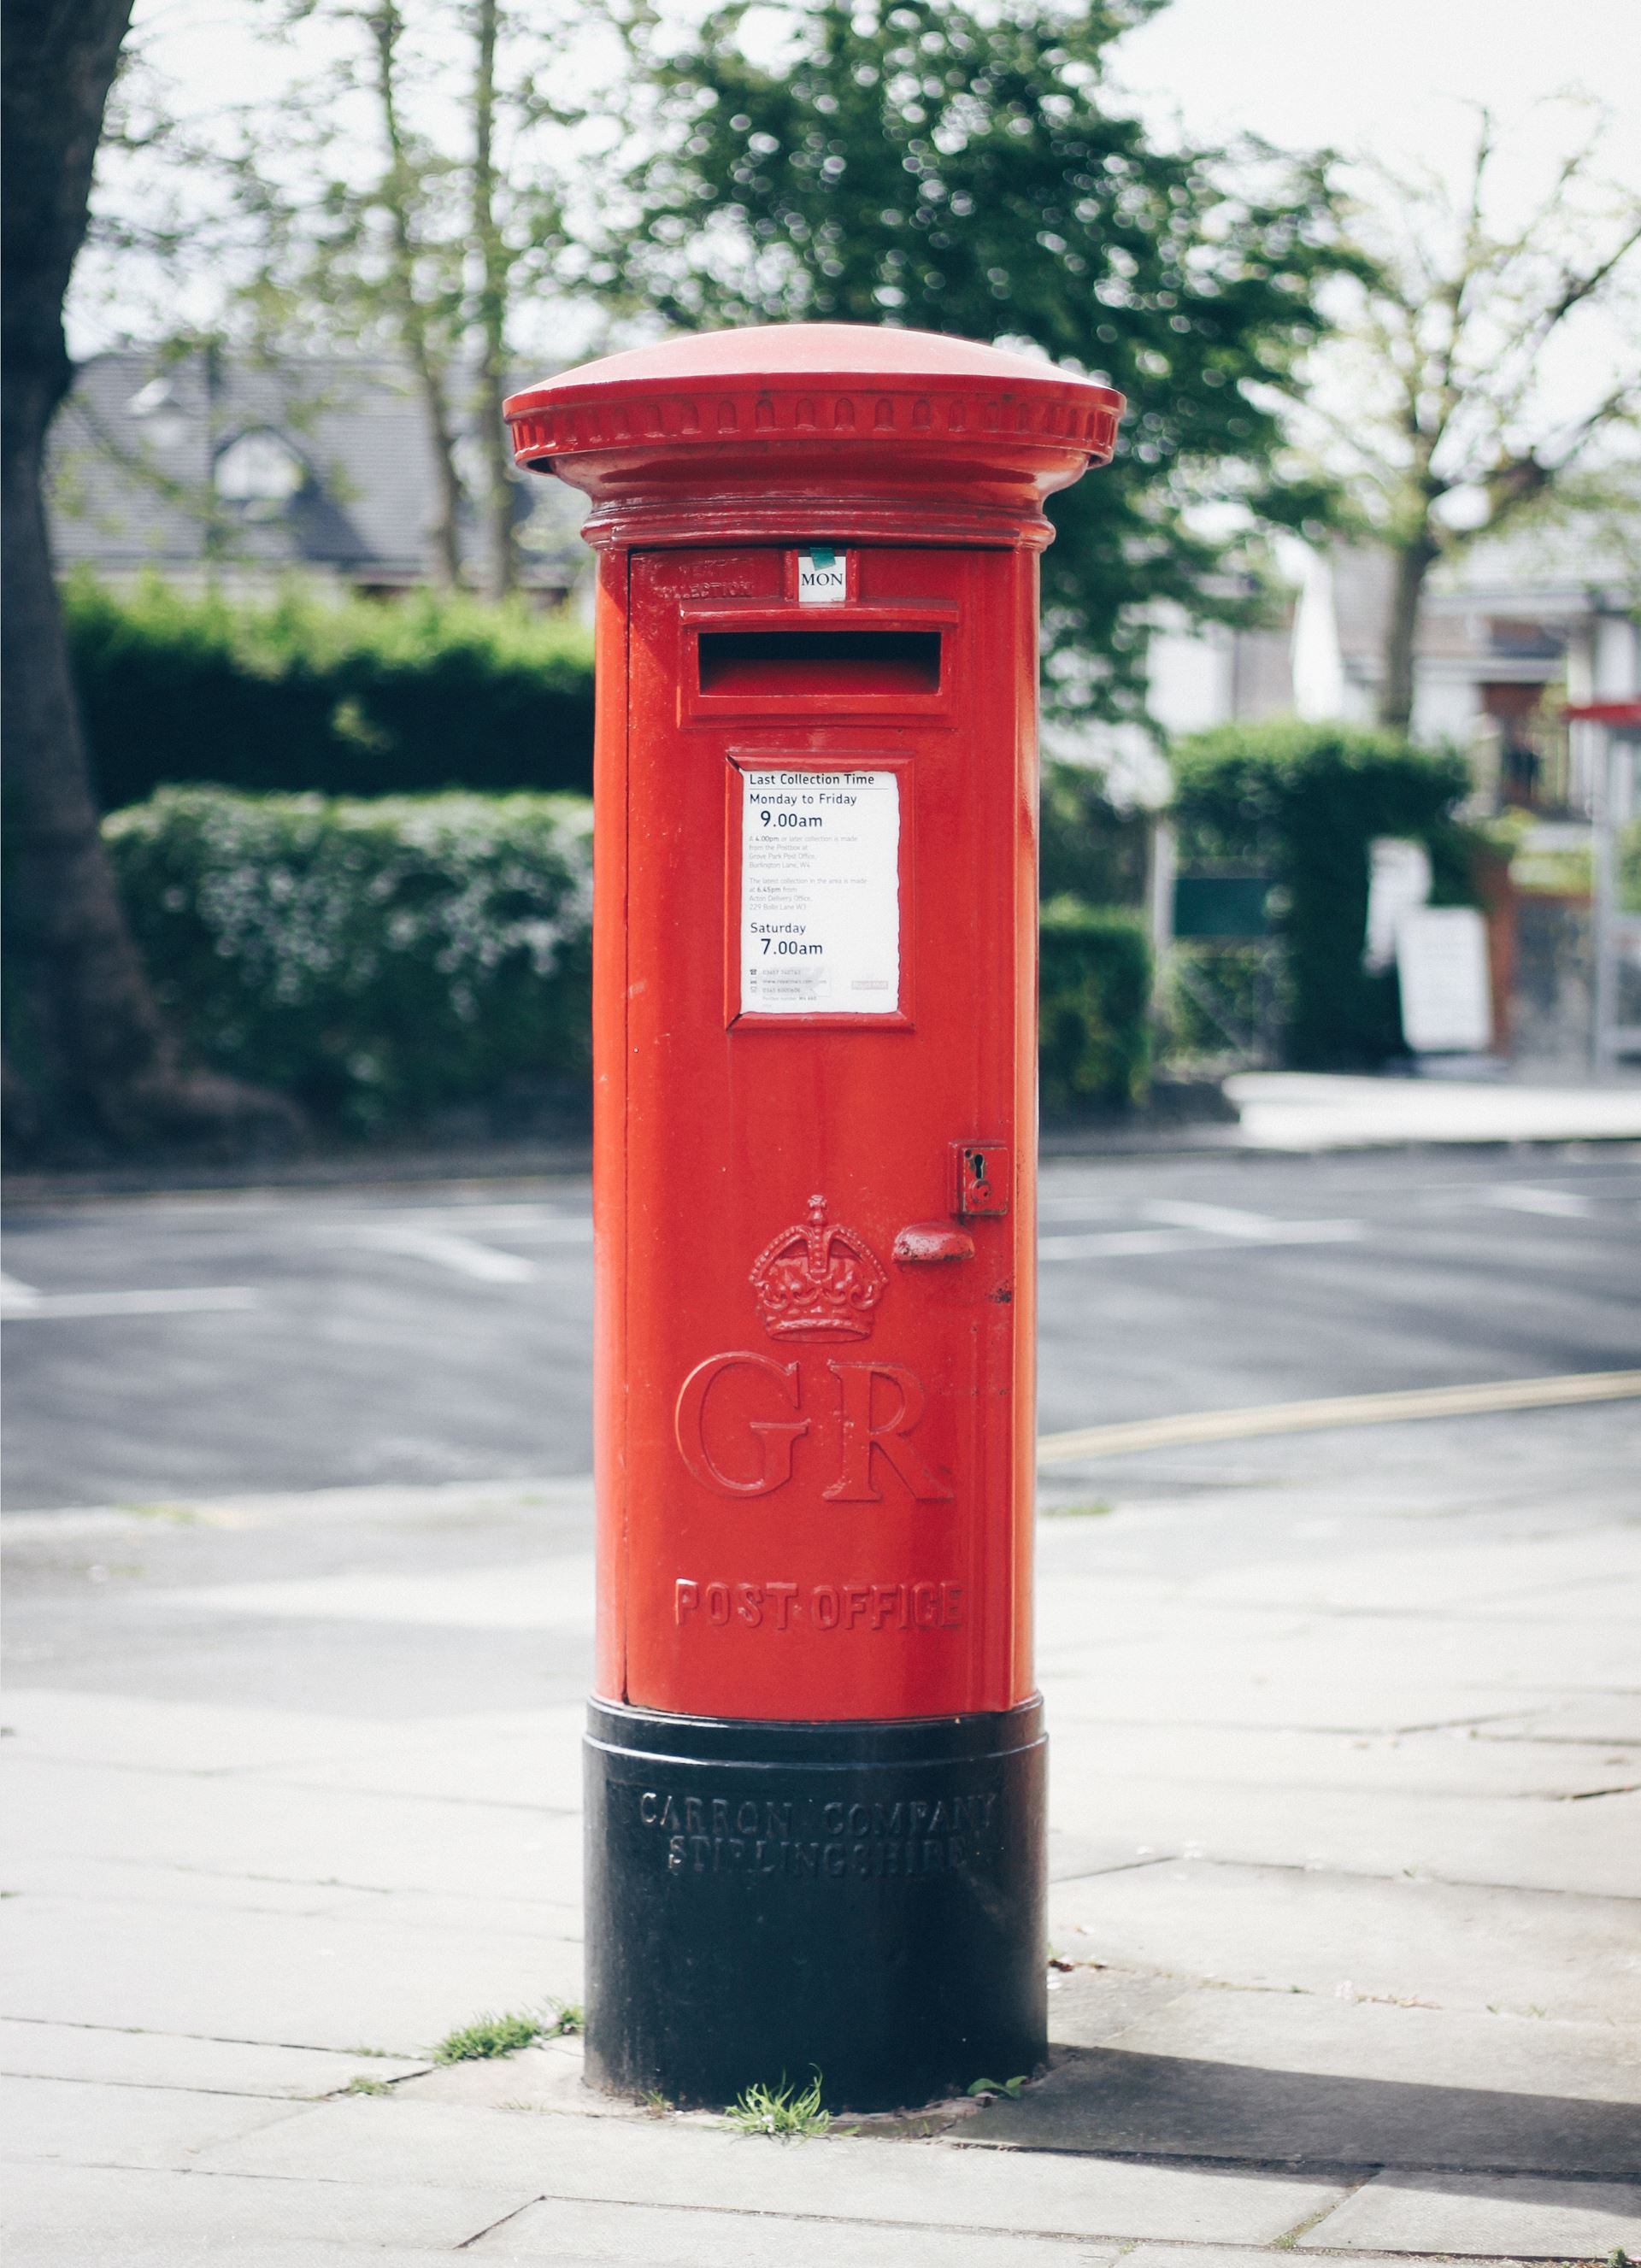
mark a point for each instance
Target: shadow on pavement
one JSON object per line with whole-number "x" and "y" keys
{"x": 1114, "y": 2103}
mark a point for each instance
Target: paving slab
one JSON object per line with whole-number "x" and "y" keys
{"x": 497, "y": 1756}
{"x": 547, "y": 1595}
{"x": 1524, "y": 2218}
{"x": 1119, "y": 2099}
{"x": 67, "y": 2249}
{"x": 65, "y": 2216}
{"x": 1457, "y": 1760}
{"x": 1333, "y": 1650}
{"x": 688, "y": 2164}
{"x": 639, "y": 2235}
{"x": 1586, "y": 1846}
{"x": 1525, "y": 1571}
{"x": 1613, "y": 1719}
{"x": 1596, "y": 2063}
{"x": 1232, "y": 1692}
{"x": 320, "y": 1834}
{"x": 155, "y": 1884}
{"x": 1223, "y": 2255}
{"x": 83, "y": 2123}
{"x": 532, "y": 1760}
{"x": 127, "y": 2059}
{"x": 324, "y": 1982}
{"x": 1281, "y": 1928}
{"x": 1088, "y": 2007}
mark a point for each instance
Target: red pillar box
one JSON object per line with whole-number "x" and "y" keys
{"x": 816, "y": 1761}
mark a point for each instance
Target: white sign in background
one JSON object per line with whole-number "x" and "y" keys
{"x": 1441, "y": 964}
{"x": 820, "y": 892}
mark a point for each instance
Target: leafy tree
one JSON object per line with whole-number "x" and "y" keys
{"x": 402, "y": 194}
{"x": 961, "y": 168}
{"x": 86, "y": 1046}
{"x": 1450, "y": 404}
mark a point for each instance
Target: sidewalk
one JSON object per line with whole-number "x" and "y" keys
{"x": 1303, "y": 1111}
{"x": 1346, "y": 1810}
{"x": 1295, "y": 1111}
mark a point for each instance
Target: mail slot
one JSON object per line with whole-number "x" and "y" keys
{"x": 815, "y": 1755}
{"x": 827, "y": 663}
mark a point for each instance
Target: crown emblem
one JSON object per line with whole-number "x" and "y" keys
{"x": 818, "y": 1280}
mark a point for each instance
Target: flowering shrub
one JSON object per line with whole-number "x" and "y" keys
{"x": 378, "y": 961}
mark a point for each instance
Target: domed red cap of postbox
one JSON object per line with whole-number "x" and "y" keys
{"x": 829, "y": 429}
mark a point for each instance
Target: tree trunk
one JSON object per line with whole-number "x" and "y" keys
{"x": 88, "y": 1051}
{"x": 1413, "y": 560}
{"x": 501, "y": 544}
{"x": 399, "y": 196}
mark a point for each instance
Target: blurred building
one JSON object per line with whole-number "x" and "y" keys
{"x": 1507, "y": 638}
{"x": 211, "y": 464}
{"x": 1511, "y": 635}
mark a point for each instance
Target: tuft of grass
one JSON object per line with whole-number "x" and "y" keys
{"x": 382, "y": 2054}
{"x": 504, "y": 2035}
{"x": 363, "y": 2085}
{"x": 1012, "y": 2087}
{"x": 1096, "y": 1508}
{"x": 780, "y": 2110}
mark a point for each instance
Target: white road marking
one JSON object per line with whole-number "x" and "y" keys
{"x": 1201, "y": 1228}
{"x": 526, "y": 1220}
{"x": 461, "y": 1254}
{"x": 1117, "y": 1243}
{"x": 1332, "y": 1410}
{"x": 194, "y": 1299}
{"x": 1251, "y": 1227}
{"x": 1558, "y": 1205}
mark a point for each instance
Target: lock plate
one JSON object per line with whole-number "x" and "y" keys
{"x": 981, "y": 1174}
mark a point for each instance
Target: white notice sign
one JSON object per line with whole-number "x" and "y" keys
{"x": 820, "y": 892}
{"x": 822, "y": 577}
{"x": 1441, "y": 960}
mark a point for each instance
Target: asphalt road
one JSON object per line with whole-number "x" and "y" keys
{"x": 222, "y": 1345}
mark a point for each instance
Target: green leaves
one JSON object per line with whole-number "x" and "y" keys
{"x": 951, "y": 170}
{"x": 380, "y": 961}
{"x": 346, "y": 698}
{"x": 1304, "y": 802}
{"x": 783, "y": 2111}
{"x": 1095, "y": 989}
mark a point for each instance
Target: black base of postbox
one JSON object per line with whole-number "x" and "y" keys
{"x": 865, "y": 1900}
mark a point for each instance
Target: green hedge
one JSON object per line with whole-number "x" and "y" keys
{"x": 379, "y": 961}
{"x": 1089, "y": 847}
{"x": 357, "y": 696}
{"x": 1094, "y": 1019}
{"x": 1305, "y": 802}
{"x": 383, "y": 961}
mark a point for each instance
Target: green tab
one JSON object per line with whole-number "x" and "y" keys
{"x": 819, "y": 559}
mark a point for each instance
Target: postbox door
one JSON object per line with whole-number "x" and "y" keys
{"x": 821, "y": 1413}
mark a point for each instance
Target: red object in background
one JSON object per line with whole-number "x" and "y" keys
{"x": 814, "y": 1008}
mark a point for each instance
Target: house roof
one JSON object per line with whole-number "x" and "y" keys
{"x": 144, "y": 471}
{"x": 1503, "y": 609}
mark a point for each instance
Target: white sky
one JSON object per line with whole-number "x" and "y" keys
{"x": 1390, "y": 77}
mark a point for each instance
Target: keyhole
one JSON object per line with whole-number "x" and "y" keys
{"x": 979, "y": 1165}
